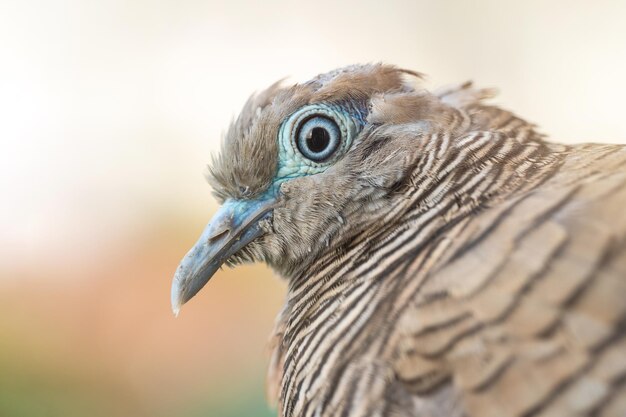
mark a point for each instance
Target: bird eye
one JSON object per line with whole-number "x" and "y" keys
{"x": 313, "y": 138}
{"x": 318, "y": 137}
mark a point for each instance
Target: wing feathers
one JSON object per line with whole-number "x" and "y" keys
{"x": 527, "y": 314}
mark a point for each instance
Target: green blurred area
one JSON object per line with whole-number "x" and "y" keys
{"x": 30, "y": 394}
{"x": 246, "y": 402}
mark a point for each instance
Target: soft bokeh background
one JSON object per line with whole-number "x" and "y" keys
{"x": 109, "y": 110}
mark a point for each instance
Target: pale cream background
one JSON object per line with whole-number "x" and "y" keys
{"x": 109, "y": 110}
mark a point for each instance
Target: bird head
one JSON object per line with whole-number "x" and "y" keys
{"x": 306, "y": 168}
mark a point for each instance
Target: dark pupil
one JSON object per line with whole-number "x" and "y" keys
{"x": 318, "y": 139}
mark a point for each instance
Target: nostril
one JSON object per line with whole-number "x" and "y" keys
{"x": 218, "y": 235}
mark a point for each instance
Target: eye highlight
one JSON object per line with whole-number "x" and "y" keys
{"x": 318, "y": 137}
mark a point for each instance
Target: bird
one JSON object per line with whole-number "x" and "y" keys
{"x": 442, "y": 256}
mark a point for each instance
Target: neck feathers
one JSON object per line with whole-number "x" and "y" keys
{"x": 345, "y": 288}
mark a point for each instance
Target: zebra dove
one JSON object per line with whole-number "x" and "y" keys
{"x": 442, "y": 257}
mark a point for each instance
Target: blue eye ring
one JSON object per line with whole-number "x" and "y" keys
{"x": 318, "y": 137}
{"x": 292, "y": 161}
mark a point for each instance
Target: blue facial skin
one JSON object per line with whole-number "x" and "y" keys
{"x": 238, "y": 222}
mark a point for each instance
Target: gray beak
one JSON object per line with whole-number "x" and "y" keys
{"x": 236, "y": 224}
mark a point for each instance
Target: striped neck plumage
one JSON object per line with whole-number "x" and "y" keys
{"x": 385, "y": 247}
{"x": 442, "y": 189}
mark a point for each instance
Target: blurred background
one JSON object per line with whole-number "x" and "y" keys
{"x": 109, "y": 110}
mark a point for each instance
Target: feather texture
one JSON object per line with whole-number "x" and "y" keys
{"x": 453, "y": 263}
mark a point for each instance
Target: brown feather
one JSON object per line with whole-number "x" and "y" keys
{"x": 452, "y": 262}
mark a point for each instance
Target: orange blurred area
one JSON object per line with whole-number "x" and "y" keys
{"x": 106, "y": 343}
{"x": 110, "y": 110}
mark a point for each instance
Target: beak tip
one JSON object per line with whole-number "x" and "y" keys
{"x": 176, "y": 297}
{"x": 177, "y": 303}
